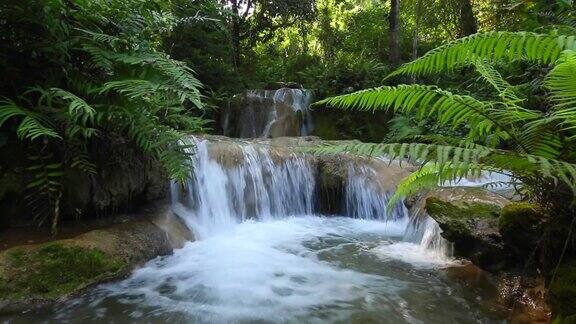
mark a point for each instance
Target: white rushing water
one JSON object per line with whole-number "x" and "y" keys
{"x": 262, "y": 255}
{"x": 258, "y": 188}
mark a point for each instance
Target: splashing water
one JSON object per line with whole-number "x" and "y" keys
{"x": 257, "y": 188}
{"x": 263, "y": 256}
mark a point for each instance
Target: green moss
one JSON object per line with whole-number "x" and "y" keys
{"x": 456, "y": 217}
{"x": 521, "y": 227}
{"x": 522, "y": 214}
{"x": 563, "y": 291}
{"x": 465, "y": 210}
{"x": 54, "y": 270}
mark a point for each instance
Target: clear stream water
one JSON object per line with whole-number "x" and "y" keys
{"x": 263, "y": 256}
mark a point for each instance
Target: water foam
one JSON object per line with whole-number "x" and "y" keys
{"x": 263, "y": 256}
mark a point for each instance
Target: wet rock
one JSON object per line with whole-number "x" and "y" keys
{"x": 525, "y": 296}
{"x": 468, "y": 217}
{"x": 331, "y": 182}
{"x": 521, "y": 226}
{"x": 268, "y": 113}
{"x": 37, "y": 275}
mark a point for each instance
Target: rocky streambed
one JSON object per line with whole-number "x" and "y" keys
{"x": 265, "y": 181}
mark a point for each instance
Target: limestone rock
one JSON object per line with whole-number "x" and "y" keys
{"x": 468, "y": 217}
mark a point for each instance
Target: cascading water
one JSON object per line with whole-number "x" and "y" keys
{"x": 259, "y": 188}
{"x": 262, "y": 255}
{"x": 256, "y": 188}
{"x": 365, "y": 199}
{"x": 269, "y": 113}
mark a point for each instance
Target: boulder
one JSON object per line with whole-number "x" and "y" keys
{"x": 521, "y": 225}
{"x": 469, "y": 217}
{"x": 40, "y": 274}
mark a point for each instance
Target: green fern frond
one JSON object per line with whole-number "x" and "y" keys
{"x": 44, "y": 190}
{"x": 418, "y": 153}
{"x": 78, "y": 109}
{"x": 462, "y": 159}
{"x": 81, "y": 161}
{"x": 490, "y": 46}
{"x": 449, "y": 109}
{"x": 561, "y": 82}
{"x": 133, "y": 88}
{"x": 32, "y": 126}
{"x": 9, "y": 109}
{"x": 99, "y": 57}
{"x": 428, "y": 176}
{"x": 505, "y": 90}
{"x": 103, "y": 38}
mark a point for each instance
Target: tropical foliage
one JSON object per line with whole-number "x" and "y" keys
{"x": 75, "y": 75}
{"x": 500, "y": 133}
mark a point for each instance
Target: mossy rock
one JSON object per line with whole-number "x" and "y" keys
{"x": 521, "y": 226}
{"x": 457, "y": 218}
{"x": 473, "y": 228}
{"x": 53, "y": 270}
{"x": 562, "y": 292}
{"x": 38, "y": 275}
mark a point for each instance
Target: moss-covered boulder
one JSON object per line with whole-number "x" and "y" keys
{"x": 40, "y": 274}
{"x": 562, "y": 293}
{"x": 471, "y": 224}
{"x": 521, "y": 226}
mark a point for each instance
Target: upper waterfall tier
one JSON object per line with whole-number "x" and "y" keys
{"x": 268, "y": 113}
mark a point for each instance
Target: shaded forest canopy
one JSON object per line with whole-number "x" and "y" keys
{"x": 88, "y": 86}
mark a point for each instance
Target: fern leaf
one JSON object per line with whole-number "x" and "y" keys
{"x": 425, "y": 101}
{"x": 492, "y": 46}
{"x": 78, "y": 109}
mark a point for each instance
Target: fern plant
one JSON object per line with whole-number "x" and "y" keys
{"x": 102, "y": 74}
{"x": 501, "y": 133}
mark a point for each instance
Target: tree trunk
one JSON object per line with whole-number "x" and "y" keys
{"x": 468, "y": 24}
{"x": 394, "y": 18}
{"x": 235, "y": 33}
{"x": 416, "y": 37}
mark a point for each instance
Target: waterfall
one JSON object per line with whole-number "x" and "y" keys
{"x": 365, "y": 198}
{"x": 219, "y": 196}
{"x": 269, "y": 113}
{"x": 425, "y": 232}
{"x": 248, "y": 181}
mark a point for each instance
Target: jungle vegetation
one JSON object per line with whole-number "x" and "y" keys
{"x": 138, "y": 75}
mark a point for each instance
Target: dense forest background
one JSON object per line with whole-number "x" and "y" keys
{"x": 95, "y": 91}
